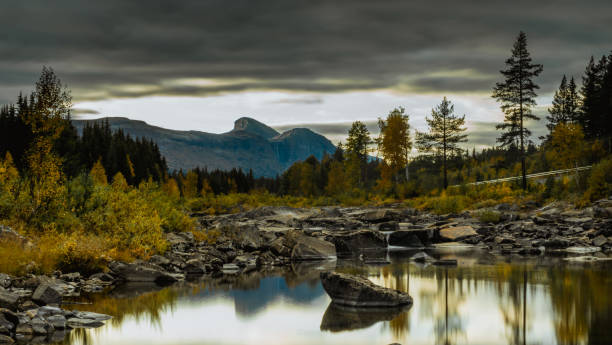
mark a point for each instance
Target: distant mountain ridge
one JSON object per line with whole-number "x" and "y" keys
{"x": 249, "y": 145}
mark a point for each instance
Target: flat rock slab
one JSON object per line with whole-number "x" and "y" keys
{"x": 46, "y": 294}
{"x": 355, "y": 291}
{"x": 357, "y": 241}
{"x": 310, "y": 248}
{"x": 457, "y": 233}
{"x": 83, "y": 323}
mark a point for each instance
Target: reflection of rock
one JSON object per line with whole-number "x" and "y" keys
{"x": 339, "y": 318}
{"x": 356, "y": 291}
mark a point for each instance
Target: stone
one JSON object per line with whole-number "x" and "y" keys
{"x": 103, "y": 277}
{"x": 141, "y": 272}
{"x": 92, "y": 316}
{"x": 75, "y": 322}
{"x": 5, "y": 339}
{"x": 556, "y": 242}
{"x": 6, "y": 324}
{"x": 379, "y": 216}
{"x": 5, "y": 280}
{"x": 599, "y": 241}
{"x": 311, "y": 248}
{"x": 159, "y": 260}
{"x": 388, "y": 226}
{"x": 8, "y": 299}
{"x": 278, "y": 247}
{"x": 457, "y": 233}
{"x": 355, "y": 291}
{"x": 355, "y": 242}
{"x": 71, "y": 277}
{"x": 57, "y": 321}
{"x": 582, "y": 250}
{"x": 411, "y": 238}
{"x": 24, "y": 328}
{"x": 46, "y": 294}
{"x": 39, "y": 326}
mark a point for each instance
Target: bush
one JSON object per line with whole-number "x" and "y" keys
{"x": 599, "y": 183}
{"x": 489, "y": 216}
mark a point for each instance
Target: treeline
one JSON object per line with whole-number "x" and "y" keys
{"x": 137, "y": 159}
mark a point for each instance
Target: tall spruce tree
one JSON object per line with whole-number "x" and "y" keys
{"x": 517, "y": 96}
{"x": 445, "y": 133}
{"x": 357, "y": 147}
{"x": 565, "y": 106}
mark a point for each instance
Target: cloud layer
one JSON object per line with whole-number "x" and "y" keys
{"x": 122, "y": 49}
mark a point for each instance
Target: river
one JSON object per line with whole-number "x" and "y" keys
{"x": 486, "y": 299}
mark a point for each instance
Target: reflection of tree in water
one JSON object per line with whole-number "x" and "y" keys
{"x": 448, "y": 325}
{"x": 511, "y": 284}
{"x": 582, "y": 301}
{"x": 397, "y": 277}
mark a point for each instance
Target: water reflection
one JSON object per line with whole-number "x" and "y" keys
{"x": 485, "y": 300}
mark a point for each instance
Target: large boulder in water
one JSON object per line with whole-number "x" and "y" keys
{"x": 411, "y": 238}
{"x": 355, "y": 291}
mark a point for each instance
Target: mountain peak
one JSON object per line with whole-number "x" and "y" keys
{"x": 253, "y": 126}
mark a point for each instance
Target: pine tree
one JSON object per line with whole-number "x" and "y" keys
{"x": 517, "y": 96}
{"x": 445, "y": 132}
{"x": 564, "y": 107}
{"x": 357, "y": 147}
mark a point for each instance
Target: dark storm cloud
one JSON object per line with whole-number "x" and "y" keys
{"x": 117, "y": 48}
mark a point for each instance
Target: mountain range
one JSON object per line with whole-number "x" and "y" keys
{"x": 249, "y": 145}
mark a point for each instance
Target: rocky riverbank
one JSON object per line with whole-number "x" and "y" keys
{"x": 278, "y": 236}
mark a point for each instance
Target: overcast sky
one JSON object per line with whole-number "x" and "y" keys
{"x": 320, "y": 64}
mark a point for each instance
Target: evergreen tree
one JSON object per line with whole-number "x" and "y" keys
{"x": 445, "y": 133}
{"x": 517, "y": 96}
{"x": 357, "y": 147}
{"x": 564, "y": 107}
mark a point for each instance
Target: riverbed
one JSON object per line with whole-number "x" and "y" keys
{"x": 485, "y": 299}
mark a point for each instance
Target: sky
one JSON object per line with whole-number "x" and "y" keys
{"x": 200, "y": 65}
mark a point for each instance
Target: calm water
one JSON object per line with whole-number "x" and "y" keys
{"x": 485, "y": 300}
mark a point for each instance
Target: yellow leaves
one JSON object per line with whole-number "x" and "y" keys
{"x": 567, "y": 146}
{"x": 98, "y": 174}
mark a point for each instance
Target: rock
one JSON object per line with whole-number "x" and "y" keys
{"x": 457, "y": 233}
{"x": 180, "y": 241}
{"x": 577, "y": 220}
{"x": 6, "y": 325}
{"x": 6, "y": 233}
{"x": 74, "y": 322}
{"x": 141, "y": 272}
{"x": 310, "y": 248}
{"x": 4, "y": 339}
{"x": 103, "y": 277}
{"x": 8, "y": 300}
{"x": 411, "y": 238}
{"x": 230, "y": 268}
{"x": 92, "y": 316}
{"x": 246, "y": 236}
{"x": 582, "y": 250}
{"x": 57, "y": 321}
{"x": 354, "y": 291}
{"x": 603, "y": 212}
{"x": 556, "y": 242}
{"x": 71, "y": 277}
{"x": 39, "y": 326}
{"x": 599, "y": 241}
{"x": 355, "y": 242}
{"x": 195, "y": 267}
{"x": 278, "y": 247}
{"x": 379, "y": 216}
{"x": 24, "y": 328}
{"x": 5, "y": 280}
{"x": 159, "y": 260}
{"x": 388, "y": 226}
{"x": 46, "y": 294}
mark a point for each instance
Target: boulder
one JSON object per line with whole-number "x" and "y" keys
{"x": 355, "y": 242}
{"x": 9, "y": 316}
{"x": 355, "y": 291}
{"x": 556, "y": 242}
{"x": 75, "y": 322}
{"x": 599, "y": 241}
{"x": 57, "y": 321}
{"x": 422, "y": 257}
{"x": 46, "y": 294}
{"x": 457, "y": 233}
{"x": 8, "y": 299}
{"x": 411, "y": 238}
{"x": 5, "y": 339}
{"x": 311, "y": 248}
{"x": 141, "y": 272}
{"x": 5, "y": 280}
{"x": 379, "y": 216}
